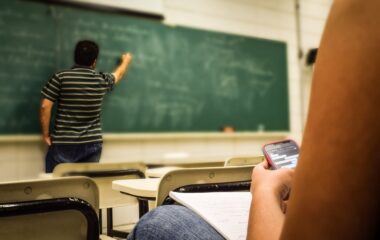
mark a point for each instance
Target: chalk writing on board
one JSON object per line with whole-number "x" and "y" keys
{"x": 124, "y": 29}
{"x": 122, "y": 38}
{"x": 110, "y": 53}
{"x": 36, "y": 17}
{"x": 7, "y": 12}
{"x": 11, "y": 59}
{"x": 27, "y": 51}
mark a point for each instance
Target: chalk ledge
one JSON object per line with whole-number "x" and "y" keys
{"x": 108, "y": 137}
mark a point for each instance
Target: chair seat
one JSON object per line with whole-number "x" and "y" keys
{"x": 125, "y": 228}
{"x": 105, "y": 237}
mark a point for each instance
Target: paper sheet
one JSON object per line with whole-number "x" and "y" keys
{"x": 227, "y": 212}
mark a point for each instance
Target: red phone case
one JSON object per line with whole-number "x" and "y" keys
{"x": 269, "y": 160}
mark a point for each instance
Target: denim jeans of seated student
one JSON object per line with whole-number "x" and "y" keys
{"x": 72, "y": 153}
{"x": 173, "y": 222}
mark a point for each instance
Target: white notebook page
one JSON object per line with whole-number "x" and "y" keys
{"x": 227, "y": 212}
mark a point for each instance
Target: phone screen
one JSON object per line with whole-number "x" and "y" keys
{"x": 283, "y": 154}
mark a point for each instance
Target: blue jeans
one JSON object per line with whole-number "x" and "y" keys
{"x": 72, "y": 153}
{"x": 173, "y": 222}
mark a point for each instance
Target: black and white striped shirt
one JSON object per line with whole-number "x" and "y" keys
{"x": 78, "y": 93}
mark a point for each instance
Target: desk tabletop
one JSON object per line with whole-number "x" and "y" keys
{"x": 160, "y": 171}
{"x": 187, "y": 160}
{"x": 146, "y": 187}
{"x": 45, "y": 176}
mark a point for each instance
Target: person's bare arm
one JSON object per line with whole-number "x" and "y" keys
{"x": 120, "y": 71}
{"x": 336, "y": 186}
{"x": 269, "y": 190}
{"x": 45, "y": 115}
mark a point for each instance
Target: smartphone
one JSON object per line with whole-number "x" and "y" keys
{"x": 282, "y": 154}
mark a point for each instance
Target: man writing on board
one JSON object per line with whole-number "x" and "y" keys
{"x": 78, "y": 93}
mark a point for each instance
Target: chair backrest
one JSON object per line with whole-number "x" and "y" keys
{"x": 243, "y": 160}
{"x": 234, "y": 178}
{"x": 49, "y": 209}
{"x": 103, "y": 174}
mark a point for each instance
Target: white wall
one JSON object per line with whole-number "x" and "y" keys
{"x": 313, "y": 18}
{"x": 271, "y": 19}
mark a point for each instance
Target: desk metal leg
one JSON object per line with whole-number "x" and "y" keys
{"x": 109, "y": 222}
{"x": 100, "y": 221}
{"x": 110, "y": 231}
{"x": 143, "y": 206}
{"x": 143, "y": 203}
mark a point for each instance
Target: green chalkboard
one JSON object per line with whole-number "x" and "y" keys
{"x": 181, "y": 79}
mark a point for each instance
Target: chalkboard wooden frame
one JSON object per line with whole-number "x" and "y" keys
{"x": 126, "y": 137}
{"x": 103, "y": 8}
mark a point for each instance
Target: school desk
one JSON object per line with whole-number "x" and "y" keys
{"x": 143, "y": 189}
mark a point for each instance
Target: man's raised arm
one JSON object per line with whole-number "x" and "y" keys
{"x": 119, "y": 72}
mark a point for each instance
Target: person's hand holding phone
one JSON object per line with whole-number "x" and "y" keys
{"x": 272, "y": 183}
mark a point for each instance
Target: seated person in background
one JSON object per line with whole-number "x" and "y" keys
{"x": 335, "y": 188}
